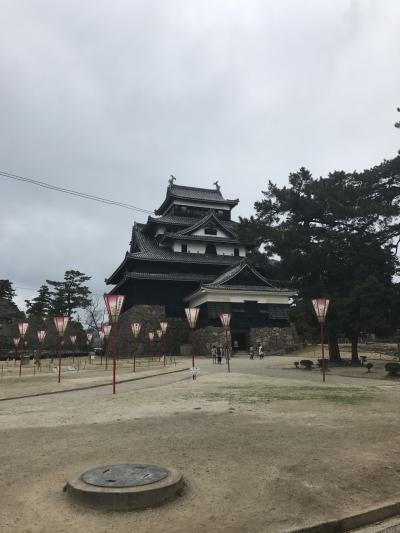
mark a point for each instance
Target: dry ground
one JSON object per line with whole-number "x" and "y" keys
{"x": 266, "y": 448}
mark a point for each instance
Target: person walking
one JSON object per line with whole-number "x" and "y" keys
{"x": 219, "y": 355}
{"x": 251, "y": 351}
{"x": 260, "y": 351}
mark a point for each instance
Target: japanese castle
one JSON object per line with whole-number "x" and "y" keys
{"x": 189, "y": 255}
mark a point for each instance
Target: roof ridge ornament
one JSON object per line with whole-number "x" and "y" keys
{"x": 217, "y": 186}
{"x": 171, "y": 181}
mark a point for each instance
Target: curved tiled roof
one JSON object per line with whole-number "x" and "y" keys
{"x": 186, "y": 221}
{"x": 196, "y": 194}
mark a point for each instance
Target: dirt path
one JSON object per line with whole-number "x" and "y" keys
{"x": 264, "y": 449}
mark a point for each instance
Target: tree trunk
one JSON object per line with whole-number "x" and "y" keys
{"x": 354, "y": 350}
{"x": 334, "y": 351}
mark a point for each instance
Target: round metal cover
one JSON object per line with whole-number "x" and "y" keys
{"x": 124, "y": 475}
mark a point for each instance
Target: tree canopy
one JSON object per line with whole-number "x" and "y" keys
{"x": 6, "y": 290}
{"x": 41, "y": 305}
{"x": 336, "y": 237}
{"x": 61, "y": 297}
{"x": 70, "y": 294}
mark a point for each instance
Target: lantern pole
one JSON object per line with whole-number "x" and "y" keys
{"x": 60, "y": 323}
{"x": 192, "y": 314}
{"x": 164, "y": 327}
{"x": 323, "y": 352}
{"x": 134, "y": 356}
{"x": 226, "y": 348}
{"x": 114, "y": 351}
{"x": 23, "y": 328}
{"x": 164, "y": 347}
{"x": 59, "y": 358}
{"x": 20, "y": 355}
{"x": 114, "y": 303}
{"x": 225, "y": 319}
{"x": 135, "y": 327}
{"x": 41, "y": 338}
{"x": 16, "y": 341}
{"x": 321, "y": 309}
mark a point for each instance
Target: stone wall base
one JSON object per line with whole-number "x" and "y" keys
{"x": 150, "y": 317}
{"x": 273, "y": 340}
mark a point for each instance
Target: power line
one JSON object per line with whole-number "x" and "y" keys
{"x": 45, "y": 185}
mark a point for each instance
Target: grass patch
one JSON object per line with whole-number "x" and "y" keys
{"x": 264, "y": 393}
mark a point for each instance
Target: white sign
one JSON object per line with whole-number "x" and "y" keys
{"x": 195, "y": 370}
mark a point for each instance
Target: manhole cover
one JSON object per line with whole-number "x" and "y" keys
{"x": 124, "y": 475}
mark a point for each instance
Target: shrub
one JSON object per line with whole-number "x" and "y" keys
{"x": 393, "y": 368}
{"x": 306, "y": 363}
{"x": 369, "y": 366}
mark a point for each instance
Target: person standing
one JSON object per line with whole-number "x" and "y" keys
{"x": 214, "y": 354}
{"x": 219, "y": 355}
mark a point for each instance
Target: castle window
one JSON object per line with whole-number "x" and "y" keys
{"x": 211, "y": 249}
{"x": 184, "y": 248}
{"x": 236, "y": 251}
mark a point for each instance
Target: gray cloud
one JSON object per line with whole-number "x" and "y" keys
{"x": 111, "y": 97}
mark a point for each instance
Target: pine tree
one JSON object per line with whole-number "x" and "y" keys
{"x": 6, "y": 290}
{"x": 70, "y": 294}
{"x": 41, "y": 305}
{"x": 336, "y": 237}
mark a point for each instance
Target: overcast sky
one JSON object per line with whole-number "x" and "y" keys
{"x": 111, "y": 97}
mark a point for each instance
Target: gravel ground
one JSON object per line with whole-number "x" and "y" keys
{"x": 266, "y": 448}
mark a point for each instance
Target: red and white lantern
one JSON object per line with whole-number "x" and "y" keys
{"x": 192, "y": 314}
{"x": 114, "y": 303}
{"x": 72, "y": 338}
{"x": 61, "y": 323}
{"x": 41, "y": 335}
{"x": 101, "y": 335}
{"x": 136, "y": 327}
{"x": 16, "y": 341}
{"x": 225, "y": 319}
{"x": 164, "y": 326}
{"x": 89, "y": 337}
{"x": 106, "y": 330}
{"x": 321, "y": 308}
{"x": 159, "y": 333}
{"x": 151, "y": 336}
{"x": 23, "y": 328}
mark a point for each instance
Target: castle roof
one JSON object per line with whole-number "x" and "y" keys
{"x": 196, "y": 194}
{"x": 172, "y": 220}
{"x": 147, "y": 248}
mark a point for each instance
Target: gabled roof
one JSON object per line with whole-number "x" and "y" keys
{"x": 242, "y": 271}
{"x": 240, "y": 278}
{"x": 210, "y": 217}
{"x": 183, "y": 192}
